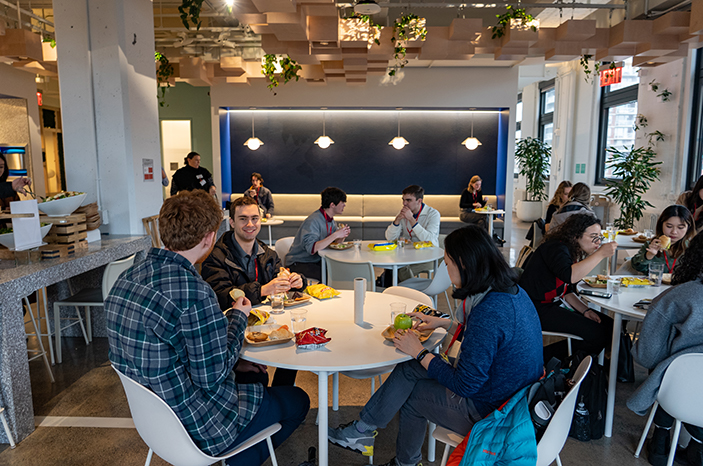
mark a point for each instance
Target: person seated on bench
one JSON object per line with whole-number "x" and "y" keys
{"x": 416, "y": 221}
{"x": 317, "y": 232}
{"x": 472, "y": 198}
{"x": 501, "y": 352}
{"x": 260, "y": 194}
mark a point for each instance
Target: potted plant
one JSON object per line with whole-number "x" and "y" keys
{"x": 634, "y": 171}
{"x": 533, "y": 157}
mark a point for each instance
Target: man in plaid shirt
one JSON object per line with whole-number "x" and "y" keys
{"x": 167, "y": 332}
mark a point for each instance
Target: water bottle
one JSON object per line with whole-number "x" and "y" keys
{"x": 581, "y": 426}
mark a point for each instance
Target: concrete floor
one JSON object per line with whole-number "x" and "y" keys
{"x": 86, "y": 387}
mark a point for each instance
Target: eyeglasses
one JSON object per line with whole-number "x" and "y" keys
{"x": 597, "y": 239}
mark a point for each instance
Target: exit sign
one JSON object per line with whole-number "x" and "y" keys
{"x": 610, "y": 76}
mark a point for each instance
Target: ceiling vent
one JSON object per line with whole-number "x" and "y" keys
{"x": 367, "y": 7}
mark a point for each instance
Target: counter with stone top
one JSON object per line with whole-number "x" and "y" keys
{"x": 19, "y": 281}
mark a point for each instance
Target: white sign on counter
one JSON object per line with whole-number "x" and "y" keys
{"x": 26, "y": 230}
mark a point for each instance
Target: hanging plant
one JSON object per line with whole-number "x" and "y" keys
{"x": 512, "y": 17}
{"x": 405, "y": 28}
{"x": 164, "y": 72}
{"x": 640, "y": 122}
{"x": 635, "y": 170}
{"x": 654, "y": 85}
{"x": 654, "y": 137}
{"x": 51, "y": 41}
{"x": 664, "y": 95}
{"x": 590, "y": 73}
{"x": 190, "y": 11}
{"x": 288, "y": 69}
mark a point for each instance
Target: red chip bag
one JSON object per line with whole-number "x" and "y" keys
{"x": 312, "y": 338}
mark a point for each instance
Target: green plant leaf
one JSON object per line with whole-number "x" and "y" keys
{"x": 533, "y": 157}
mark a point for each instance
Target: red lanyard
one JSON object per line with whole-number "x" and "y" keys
{"x": 329, "y": 221}
{"x": 671, "y": 269}
{"x": 410, "y": 230}
{"x": 475, "y": 196}
{"x": 256, "y": 270}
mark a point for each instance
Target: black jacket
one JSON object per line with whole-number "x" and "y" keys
{"x": 223, "y": 274}
{"x": 188, "y": 178}
{"x": 466, "y": 201}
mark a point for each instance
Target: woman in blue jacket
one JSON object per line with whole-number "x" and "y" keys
{"x": 501, "y": 353}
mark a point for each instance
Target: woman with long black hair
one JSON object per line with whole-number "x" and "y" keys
{"x": 501, "y": 352}
{"x": 566, "y": 255}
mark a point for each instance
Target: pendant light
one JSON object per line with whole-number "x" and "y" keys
{"x": 398, "y": 142}
{"x": 472, "y": 142}
{"x": 324, "y": 141}
{"x": 253, "y": 142}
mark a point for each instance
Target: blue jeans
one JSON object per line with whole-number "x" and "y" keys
{"x": 285, "y": 405}
{"x": 419, "y": 399}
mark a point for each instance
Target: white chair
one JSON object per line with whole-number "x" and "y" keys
{"x": 282, "y": 247}
{"x": 430, "y": 271}
{"x": 88, "y": 297}
{"x": 341, "y": 274}
{"x": 679, "y": 395}
{"x": 8, "y": 432}
{"x": 432, "y": 287}
{"x": 165, "y": 435}
{"x": 554, "y": 437}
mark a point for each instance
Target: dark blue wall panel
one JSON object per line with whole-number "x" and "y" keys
{"x": 361, "y": 161}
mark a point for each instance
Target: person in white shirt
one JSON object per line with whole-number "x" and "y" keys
{"x": 416, "y": 221}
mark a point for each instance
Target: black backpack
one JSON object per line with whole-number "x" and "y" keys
{"x": 593, "y": 393}
{"x": 545, "y": 396}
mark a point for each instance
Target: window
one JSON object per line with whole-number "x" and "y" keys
{"x": 695, "y": 154}
{"x": 618, "y": 114}
{"x": 518, "y": 128}
{"x": 546, "y": 112}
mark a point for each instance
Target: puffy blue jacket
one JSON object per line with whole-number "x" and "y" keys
{"x": 504, "y": 437}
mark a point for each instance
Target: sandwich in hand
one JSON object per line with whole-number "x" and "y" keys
{"x": 665, "y": 241}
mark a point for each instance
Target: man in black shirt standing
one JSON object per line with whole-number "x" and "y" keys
{"x": 192, "y": 176}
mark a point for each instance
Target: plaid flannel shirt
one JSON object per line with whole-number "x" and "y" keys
{"x": 167, "y": 332}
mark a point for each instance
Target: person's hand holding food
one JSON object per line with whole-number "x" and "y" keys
{"x": 242, "y": 304}
{"x": 295, "y": 280}
{"x": 408, "y": 342}
{"x": 19, "y": 184}
{"x": 424, "y": 322}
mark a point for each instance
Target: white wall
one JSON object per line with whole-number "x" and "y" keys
{"x": 16, "y": 83}
{"x": 431, "y": 88}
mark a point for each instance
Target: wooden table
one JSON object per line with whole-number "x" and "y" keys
{"x": 399, "y": 257}
{"x": 353, "y": 347}
{"x": 620, "y": 305}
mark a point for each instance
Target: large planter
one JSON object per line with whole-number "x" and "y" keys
{"x": 529, "y": 211}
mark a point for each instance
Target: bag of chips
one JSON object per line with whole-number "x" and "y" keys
{"x": 321, "y": 291}
{"x": 312, "y": 338}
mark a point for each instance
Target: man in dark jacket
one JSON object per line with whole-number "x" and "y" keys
{"x": 261, "y": 194}
{"x": 239, "y": 260}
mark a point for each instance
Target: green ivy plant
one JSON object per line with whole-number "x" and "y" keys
{"x": 655, "y": 137}
{"x": 517, "y": 14}
{"x": 597, "y": 65}
{"x": 640, "y": 122}
{"x": 190, "y": 11}
{"x": 289, "y": 70}
{"x": 654, "y": 85}
{"x": 665, "y": 95}
{"x": 407, "y": 27}
{"x": 50, "y": 40}
{"x": 634, "y": 171}
{"x": 533, "y": 157}
{"x": 374, "y": 29}
{"x": 163, "y": 73}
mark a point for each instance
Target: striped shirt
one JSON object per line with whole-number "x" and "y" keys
{"x": 167, "y": 332}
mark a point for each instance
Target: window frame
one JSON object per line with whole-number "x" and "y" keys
{"x": 695, "y": 147}
{"x": 518, "y": 127}
{"x": 608, "y": 100}
{"x": 544, "y": 117}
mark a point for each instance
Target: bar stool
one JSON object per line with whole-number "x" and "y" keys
{"x": 88, "y": 297}
{"x": 8, "y": 432}
{"x": 41, "y": 352}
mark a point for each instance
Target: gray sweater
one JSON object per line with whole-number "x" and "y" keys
{"x": 313, "y": 229}
{"x": 673, "y": 326}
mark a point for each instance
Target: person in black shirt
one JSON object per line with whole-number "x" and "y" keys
{"x": 566, "y": 256}
{"x": 192, "y": 176}
{"x": 472, "y": 198}
{"x": 561, "y": 197}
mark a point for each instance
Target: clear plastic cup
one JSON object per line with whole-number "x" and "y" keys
{"x": 656, "y": 272}
{"x": 397, "y": 308}
{"x": 613, "y": 286}
{"x": 298, "y": 320}
{"x": 357, "y": 244}
{"x": 277, "y": 303}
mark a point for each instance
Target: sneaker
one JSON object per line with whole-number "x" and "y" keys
{"x": 394, "y": 463}
{"x": 658, "y": 447}
{"x": 348, "y": 436}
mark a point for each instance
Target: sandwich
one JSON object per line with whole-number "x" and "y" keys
{"x": 665, "y": 241}
{"x": 284, "y": 273}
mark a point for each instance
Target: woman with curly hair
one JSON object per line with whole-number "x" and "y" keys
{"x": 676, "y": 222}
{"x": 566, "y": 255}
{"x": 579, "y": 203}
{"x": 561, "y": 197}
{"x": 673, "y": 326}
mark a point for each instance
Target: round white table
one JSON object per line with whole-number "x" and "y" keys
{"x": 624, "y": 242}
{"x": 271, "y": 222}
{"x": 490, "y": 214}
{"x": 621, "y": 304}
{"x": 399, "y": 257}
{"x": 352, "y": 347}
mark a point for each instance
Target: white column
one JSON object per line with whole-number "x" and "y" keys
{"x": 109, "y": 107}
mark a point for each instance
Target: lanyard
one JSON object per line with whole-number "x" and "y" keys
{"x": 671, "y": 269}
{"x": 256, "y": 270}
{"x": 457, "y": 332}
{"x": 328, "y": 220}
{"x": 410, "y": 230}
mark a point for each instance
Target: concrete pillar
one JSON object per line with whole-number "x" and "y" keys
{"x": 109, "y": 107}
